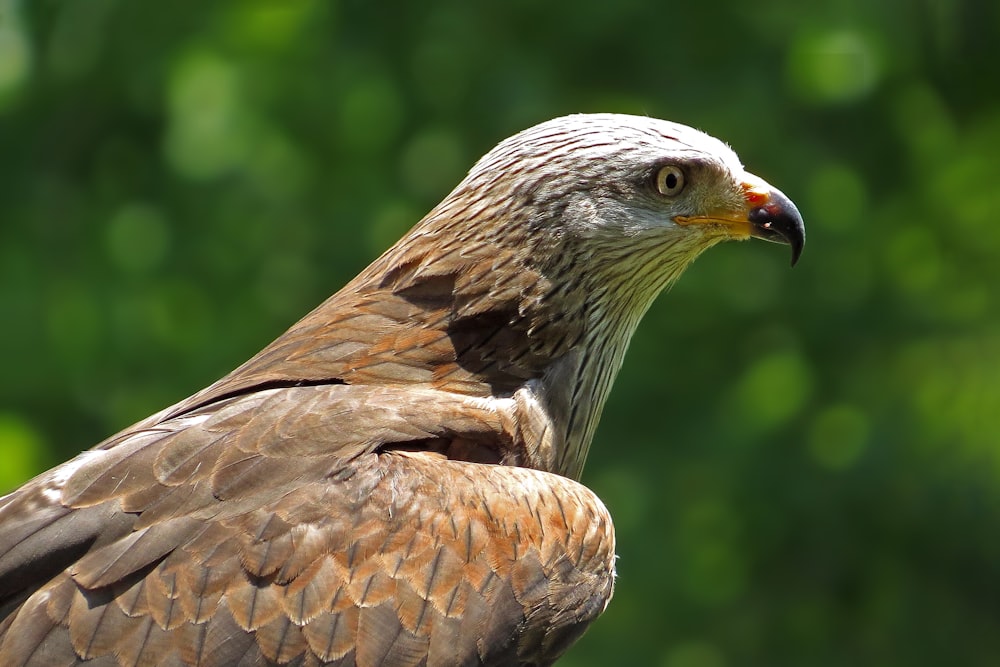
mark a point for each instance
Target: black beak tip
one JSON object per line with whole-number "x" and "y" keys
{"x": 797, "y": 250}
{"x": 779, "y": 221}
{"x": 797, "y": 245}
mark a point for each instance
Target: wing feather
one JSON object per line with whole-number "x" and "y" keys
{"x": 238, "y": 539}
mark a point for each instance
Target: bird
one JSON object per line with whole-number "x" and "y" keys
{"x": 393, "y": 480}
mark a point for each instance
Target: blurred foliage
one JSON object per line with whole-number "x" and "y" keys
{"x": 804, "y": 466}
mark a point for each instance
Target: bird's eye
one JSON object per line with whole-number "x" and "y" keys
{"x": 670, "y": 180}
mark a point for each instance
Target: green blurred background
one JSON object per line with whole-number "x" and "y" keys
{"x": 804, "y": 465}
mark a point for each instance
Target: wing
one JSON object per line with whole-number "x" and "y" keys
{"x": 304, "y": 525}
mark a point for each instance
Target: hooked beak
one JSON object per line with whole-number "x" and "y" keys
{"x": 777, "y": 219}
{"x": 764, "y": 213}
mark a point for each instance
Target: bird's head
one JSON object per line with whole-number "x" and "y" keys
{"x": 625, "y": 184}
{"x": 572, "y": 228}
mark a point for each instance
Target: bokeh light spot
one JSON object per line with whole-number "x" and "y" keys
{"x": 210, "y": 129}
{"x": 15, "y": 50}
{"x": 268, "y": 24}
{"x": 838, "y": 436}
{"x": 774, "y": 390}
{"x": 951, "y": 384}
{"x": 834, "y": 67}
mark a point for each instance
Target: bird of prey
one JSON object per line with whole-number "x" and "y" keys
{"x": 392, "y": 482}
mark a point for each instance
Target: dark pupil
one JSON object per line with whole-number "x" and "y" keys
{"x": 671, "y": 181}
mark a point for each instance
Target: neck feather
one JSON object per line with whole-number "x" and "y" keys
{"x": 481, "y": 313}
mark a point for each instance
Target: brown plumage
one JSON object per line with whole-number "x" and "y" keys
{"x": 390, "y": 482}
